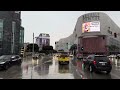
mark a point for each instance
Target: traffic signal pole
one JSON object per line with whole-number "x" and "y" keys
{"x": 33, "y": 43}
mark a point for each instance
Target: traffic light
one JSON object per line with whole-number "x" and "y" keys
{"x": 82, "y": 48}
{"x": 22, "y": 51}
{"x": 115, "y": 35}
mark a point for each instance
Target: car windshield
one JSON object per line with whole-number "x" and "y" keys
{"x": 8, "y": 56}
{"x": 101, "y": 58}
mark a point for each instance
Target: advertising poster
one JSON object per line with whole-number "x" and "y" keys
{"x": 91, "y": 26}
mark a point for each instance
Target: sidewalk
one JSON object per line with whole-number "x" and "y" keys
{"x": 115, "y": 62}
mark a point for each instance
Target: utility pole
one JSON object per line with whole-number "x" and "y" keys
{"x": 33, "y": 44}
{"x": 32, "y": 57}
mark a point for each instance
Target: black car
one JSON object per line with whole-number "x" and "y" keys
{"x": 98, "y": 63}
{"x": 5, "y": 61}
{"x": 16, "y": 59}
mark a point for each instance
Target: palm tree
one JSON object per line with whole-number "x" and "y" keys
{"x": 73, "y": 48}
{"x": 113, "y": 48}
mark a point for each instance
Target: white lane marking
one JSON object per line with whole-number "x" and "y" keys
{"x": 118, "y": 77}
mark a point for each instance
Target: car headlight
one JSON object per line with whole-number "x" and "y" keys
{"x": 2, "y": 62}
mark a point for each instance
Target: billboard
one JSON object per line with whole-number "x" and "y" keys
{"x": 91, "y": 26}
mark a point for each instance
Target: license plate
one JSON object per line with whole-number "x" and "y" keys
{"x": 103, "y": 63}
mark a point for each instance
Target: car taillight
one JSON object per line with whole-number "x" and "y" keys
{"x": 94, "y": 62}
{"x": 83, "y": 62}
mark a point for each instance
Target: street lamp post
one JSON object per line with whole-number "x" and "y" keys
{"x": 32, "y": 56}
{"x": 33, "y": 44}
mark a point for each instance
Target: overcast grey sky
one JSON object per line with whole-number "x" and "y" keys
{"x": 59, "y": 24}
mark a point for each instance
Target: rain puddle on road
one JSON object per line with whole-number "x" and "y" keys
{"x": 57, "y": 71}
{"x": 45, "y": 69}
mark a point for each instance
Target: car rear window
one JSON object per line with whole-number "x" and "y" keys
{"x": 63, "y": 55}
{"x": 5, "y": 57}
{"x": 101, "y": 58}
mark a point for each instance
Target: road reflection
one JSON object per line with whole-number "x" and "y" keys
{"x": 14, "y": 72}
{"x": 63, "y": 69}
{"x": 57, "y": 71}
{"x": 42, "y": 69}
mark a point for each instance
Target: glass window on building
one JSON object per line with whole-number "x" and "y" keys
{"x": 1, "y": 23}
{"x": 21, "y": 37}
{"x": 20, "y": 33}
{"x": 20, "y": 40}
{"x": 13, "y": 37}
{"x": 0, "y": 35}
{"x": 0, "y": 44}
{"x": 1, "y": 29}
{"x": 40, "y": 41}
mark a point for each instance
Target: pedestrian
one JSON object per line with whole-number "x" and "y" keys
{"x": 26, "y": 68}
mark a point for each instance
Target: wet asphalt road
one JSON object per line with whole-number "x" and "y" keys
{"x": 47, "y": 67}
{"x": 85, "y": 74}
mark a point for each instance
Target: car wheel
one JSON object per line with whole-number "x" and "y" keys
{"x": 6, "y": 67}
{"x": 90, "y": 68}
{"x": 9, "y": 64}
{"x": 68, "y": 62}
{"x": 107, "y": 72}
{"x": 20, "y": 61}
{"x": 59, "y": 62}
{"x": 96, "y": 71}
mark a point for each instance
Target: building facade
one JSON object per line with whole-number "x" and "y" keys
{"x": 22, "y": 37}
{"x": 43, "y": 40}
{"x": 10, "y": 23}
{"x": 96, "y": 33}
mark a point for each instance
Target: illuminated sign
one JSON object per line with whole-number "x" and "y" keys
{"x": 91, "y": 26}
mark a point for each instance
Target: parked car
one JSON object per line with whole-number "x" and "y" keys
{"x": 16, "y": 59}
{"x": 63, "y": 59}
{"x": 5, "y": 61}
{"x": 98, "y": 63}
